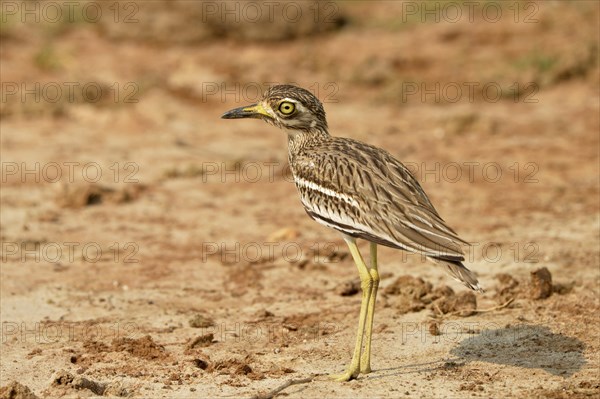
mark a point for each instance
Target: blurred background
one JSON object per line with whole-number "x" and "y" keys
{"x": 130, "y": 209}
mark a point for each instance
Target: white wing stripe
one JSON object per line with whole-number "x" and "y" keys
{"x": 325, "y": 217}
{"x": 300, "y": 182}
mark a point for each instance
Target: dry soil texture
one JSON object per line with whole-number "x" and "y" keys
{"x": 151, "y": 249}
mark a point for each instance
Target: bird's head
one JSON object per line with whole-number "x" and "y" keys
{"x": 288, "y": 107}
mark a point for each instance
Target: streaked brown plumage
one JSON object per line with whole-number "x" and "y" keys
{"x": 359, "y": 190}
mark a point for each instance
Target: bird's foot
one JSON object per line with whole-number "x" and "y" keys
{"x": 351, "y": 372}
{"x": 346, "y": 376}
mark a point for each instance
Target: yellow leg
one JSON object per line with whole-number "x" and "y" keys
{"x": 366, "y": 284}
{"x": 365, "y": 360}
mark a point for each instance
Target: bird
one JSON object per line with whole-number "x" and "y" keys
{"x": 361, "y": 191}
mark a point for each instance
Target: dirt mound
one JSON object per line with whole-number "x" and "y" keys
{"x": 65, "y": 381}
{"x": 81, "y": 195}
{"x": 15, "y": 390}
{"x": 236, "y": 367}
{"x": 200, "y": 341}
{"x": 539, "y": 286}
{"x": 144, "y": 348}
{"x": 201, "y": 321}
{"x": 412, "y": 294}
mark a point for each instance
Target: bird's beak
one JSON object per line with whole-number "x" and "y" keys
{"x": 250, "y": 111}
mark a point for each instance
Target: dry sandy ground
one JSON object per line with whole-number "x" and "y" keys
{"x": 189, "y": 269}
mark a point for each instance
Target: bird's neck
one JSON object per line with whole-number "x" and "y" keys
{"x": 298, "y": 139}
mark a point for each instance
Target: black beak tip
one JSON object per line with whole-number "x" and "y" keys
{"x": 237, "y": 113}
{"x": 231, "y": 114}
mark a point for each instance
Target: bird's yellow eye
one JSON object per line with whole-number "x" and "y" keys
{"x": 287, "y": 108}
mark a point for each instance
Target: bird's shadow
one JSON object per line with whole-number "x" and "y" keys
{"x": 527, "y": 346}
{"x": 524, "y": 345}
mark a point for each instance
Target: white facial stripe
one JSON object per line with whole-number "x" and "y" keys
{"x": 291, "y": 100}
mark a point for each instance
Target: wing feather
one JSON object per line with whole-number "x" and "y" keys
{"x": 380, "y": 199}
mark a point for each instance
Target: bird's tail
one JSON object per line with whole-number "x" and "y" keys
{"x": 460, "y": 273}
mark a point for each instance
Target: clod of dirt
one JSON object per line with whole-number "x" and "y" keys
{"x": 464, "y": 304}
{"x": 34, "y": 352}
{"x": 348, "y": 288}
{"x": 243, "y": 369}
{"x": 439, "y": 292}
{"x": 15, "y": 390}
{"x": 201, "y": 341}
{"x": 263, "y": 314}
{"x": 199, "y": 321}
{"x": 81, "y": 195}
{"x": 409, "y": 286}
{"x": 507, "y": 284}
{"x": 407, "y": 305}
{"x": 200, "y": 363}
{"x": 472, "y": 386}
{"x": 237, "y": 367}
{"x": 541, "y": 284}
{"x": 115, "y": 388}
{"x": 65, "y": 379}
{"x": 415, "y": 294}
{"x": 95, "y": 346}
{"x": 62, "y": 378}
{"x": 144, "y": 347}
{"x": 434, "y": 328}
{"x": 83, "y": 383}
{"x": 410, "y": 292}
{"x": 508, "y": 288}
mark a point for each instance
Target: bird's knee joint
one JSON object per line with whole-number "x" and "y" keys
{"x": 374, "y": 276}
{"x": 366, "y": 283}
